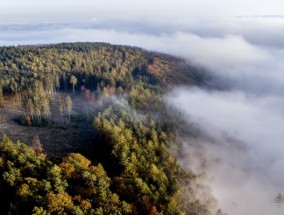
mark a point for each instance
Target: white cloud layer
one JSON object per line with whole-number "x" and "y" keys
{"x": 242, "y": 123}
{"x": 245, "y": 148}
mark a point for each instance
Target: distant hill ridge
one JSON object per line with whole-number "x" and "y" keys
{"x": 92, "y": 58}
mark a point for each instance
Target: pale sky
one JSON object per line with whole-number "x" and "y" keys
{"x": 62, "y": 10}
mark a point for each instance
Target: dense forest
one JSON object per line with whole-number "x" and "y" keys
{"x": 98, "y": 138}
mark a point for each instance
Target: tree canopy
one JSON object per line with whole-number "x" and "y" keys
{"x": 128, "y": 168}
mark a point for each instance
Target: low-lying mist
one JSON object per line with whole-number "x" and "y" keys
{"x": 240, "y": 118}
{"x": 242, "y": 142}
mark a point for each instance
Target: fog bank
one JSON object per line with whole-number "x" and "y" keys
{"x": 241, "y": 126}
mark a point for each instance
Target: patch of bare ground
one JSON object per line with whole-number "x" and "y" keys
{"x": 57, "y": 139}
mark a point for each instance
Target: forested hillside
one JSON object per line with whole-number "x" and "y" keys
{"x": 97, "y": 131}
